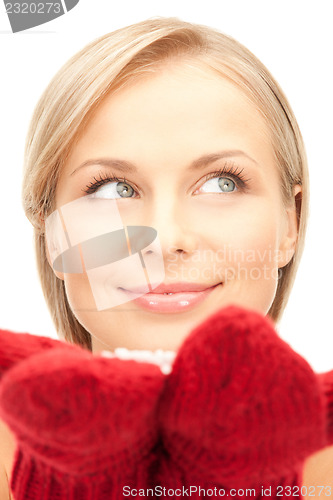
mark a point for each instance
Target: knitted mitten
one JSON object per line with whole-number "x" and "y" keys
{"x": 85, "y": 425}
{"x": 18, "y": 346}
{"x": 241, "y": 409}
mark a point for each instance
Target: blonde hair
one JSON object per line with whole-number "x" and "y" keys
{"x": 109, "y": 63}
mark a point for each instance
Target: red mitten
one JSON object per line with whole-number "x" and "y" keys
{"x": 18, "y": 346}
{"x": 85, "y": 425}
{"x": 326, "y": 381}
{"x": 240, "y": 409}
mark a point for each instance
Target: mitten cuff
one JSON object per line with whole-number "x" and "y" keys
{"x": 289, "y": 484}
{"x": 32, "y": 480}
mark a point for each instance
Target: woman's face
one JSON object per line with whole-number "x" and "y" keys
{"x": 201, "y": 171}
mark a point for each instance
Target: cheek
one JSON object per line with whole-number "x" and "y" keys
{"x": 249, "y": 228}
{"x": 79, "y": 294}
{"x": 254, "y": 246}
{"x": 83, "y": 306}
{"x": 245, "y": 244}
{"x": 250, "y": 257}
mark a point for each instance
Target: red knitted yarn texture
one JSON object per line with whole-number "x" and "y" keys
{"x": 240, "y": 409}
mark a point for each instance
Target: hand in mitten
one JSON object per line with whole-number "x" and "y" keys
{"x": 85, "y": 425}
{"x": 241, "y": 409}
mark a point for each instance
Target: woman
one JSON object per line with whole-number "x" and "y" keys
{"x": 214, "y": 163}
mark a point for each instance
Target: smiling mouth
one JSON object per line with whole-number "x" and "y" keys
{"x": 171, "y": 298}
{"x": 171, "y": 288}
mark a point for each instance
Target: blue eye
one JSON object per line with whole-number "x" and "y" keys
{"x": 226, "y": 185}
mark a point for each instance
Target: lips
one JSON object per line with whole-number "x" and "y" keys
{"x": 164, "y": 288}
{"x": 172, "y": 297}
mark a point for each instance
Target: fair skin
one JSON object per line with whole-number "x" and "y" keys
{"x": 7, "y": 452}
{"x": 163, "y": 125}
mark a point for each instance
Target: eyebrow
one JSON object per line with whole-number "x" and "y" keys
{"x": 128, "y": 167}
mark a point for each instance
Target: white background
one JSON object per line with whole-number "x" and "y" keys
{"x": 293, "y": 38}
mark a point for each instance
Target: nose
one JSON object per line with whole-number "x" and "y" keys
{"x": 175, "y": 226}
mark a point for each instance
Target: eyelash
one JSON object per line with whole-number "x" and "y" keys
{"x": 231, "y": 171}
{"x": 97, "y": 183}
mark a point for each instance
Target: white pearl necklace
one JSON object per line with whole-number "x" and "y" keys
{"x": 163, "y": 359}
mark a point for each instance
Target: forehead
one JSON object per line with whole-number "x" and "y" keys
{"x": 184, "y": 107}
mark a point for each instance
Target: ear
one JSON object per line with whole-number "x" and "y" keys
{"x": 59, "y": 275}
{"x": 47, "y": 253}
{"x": 289, "y": 239}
